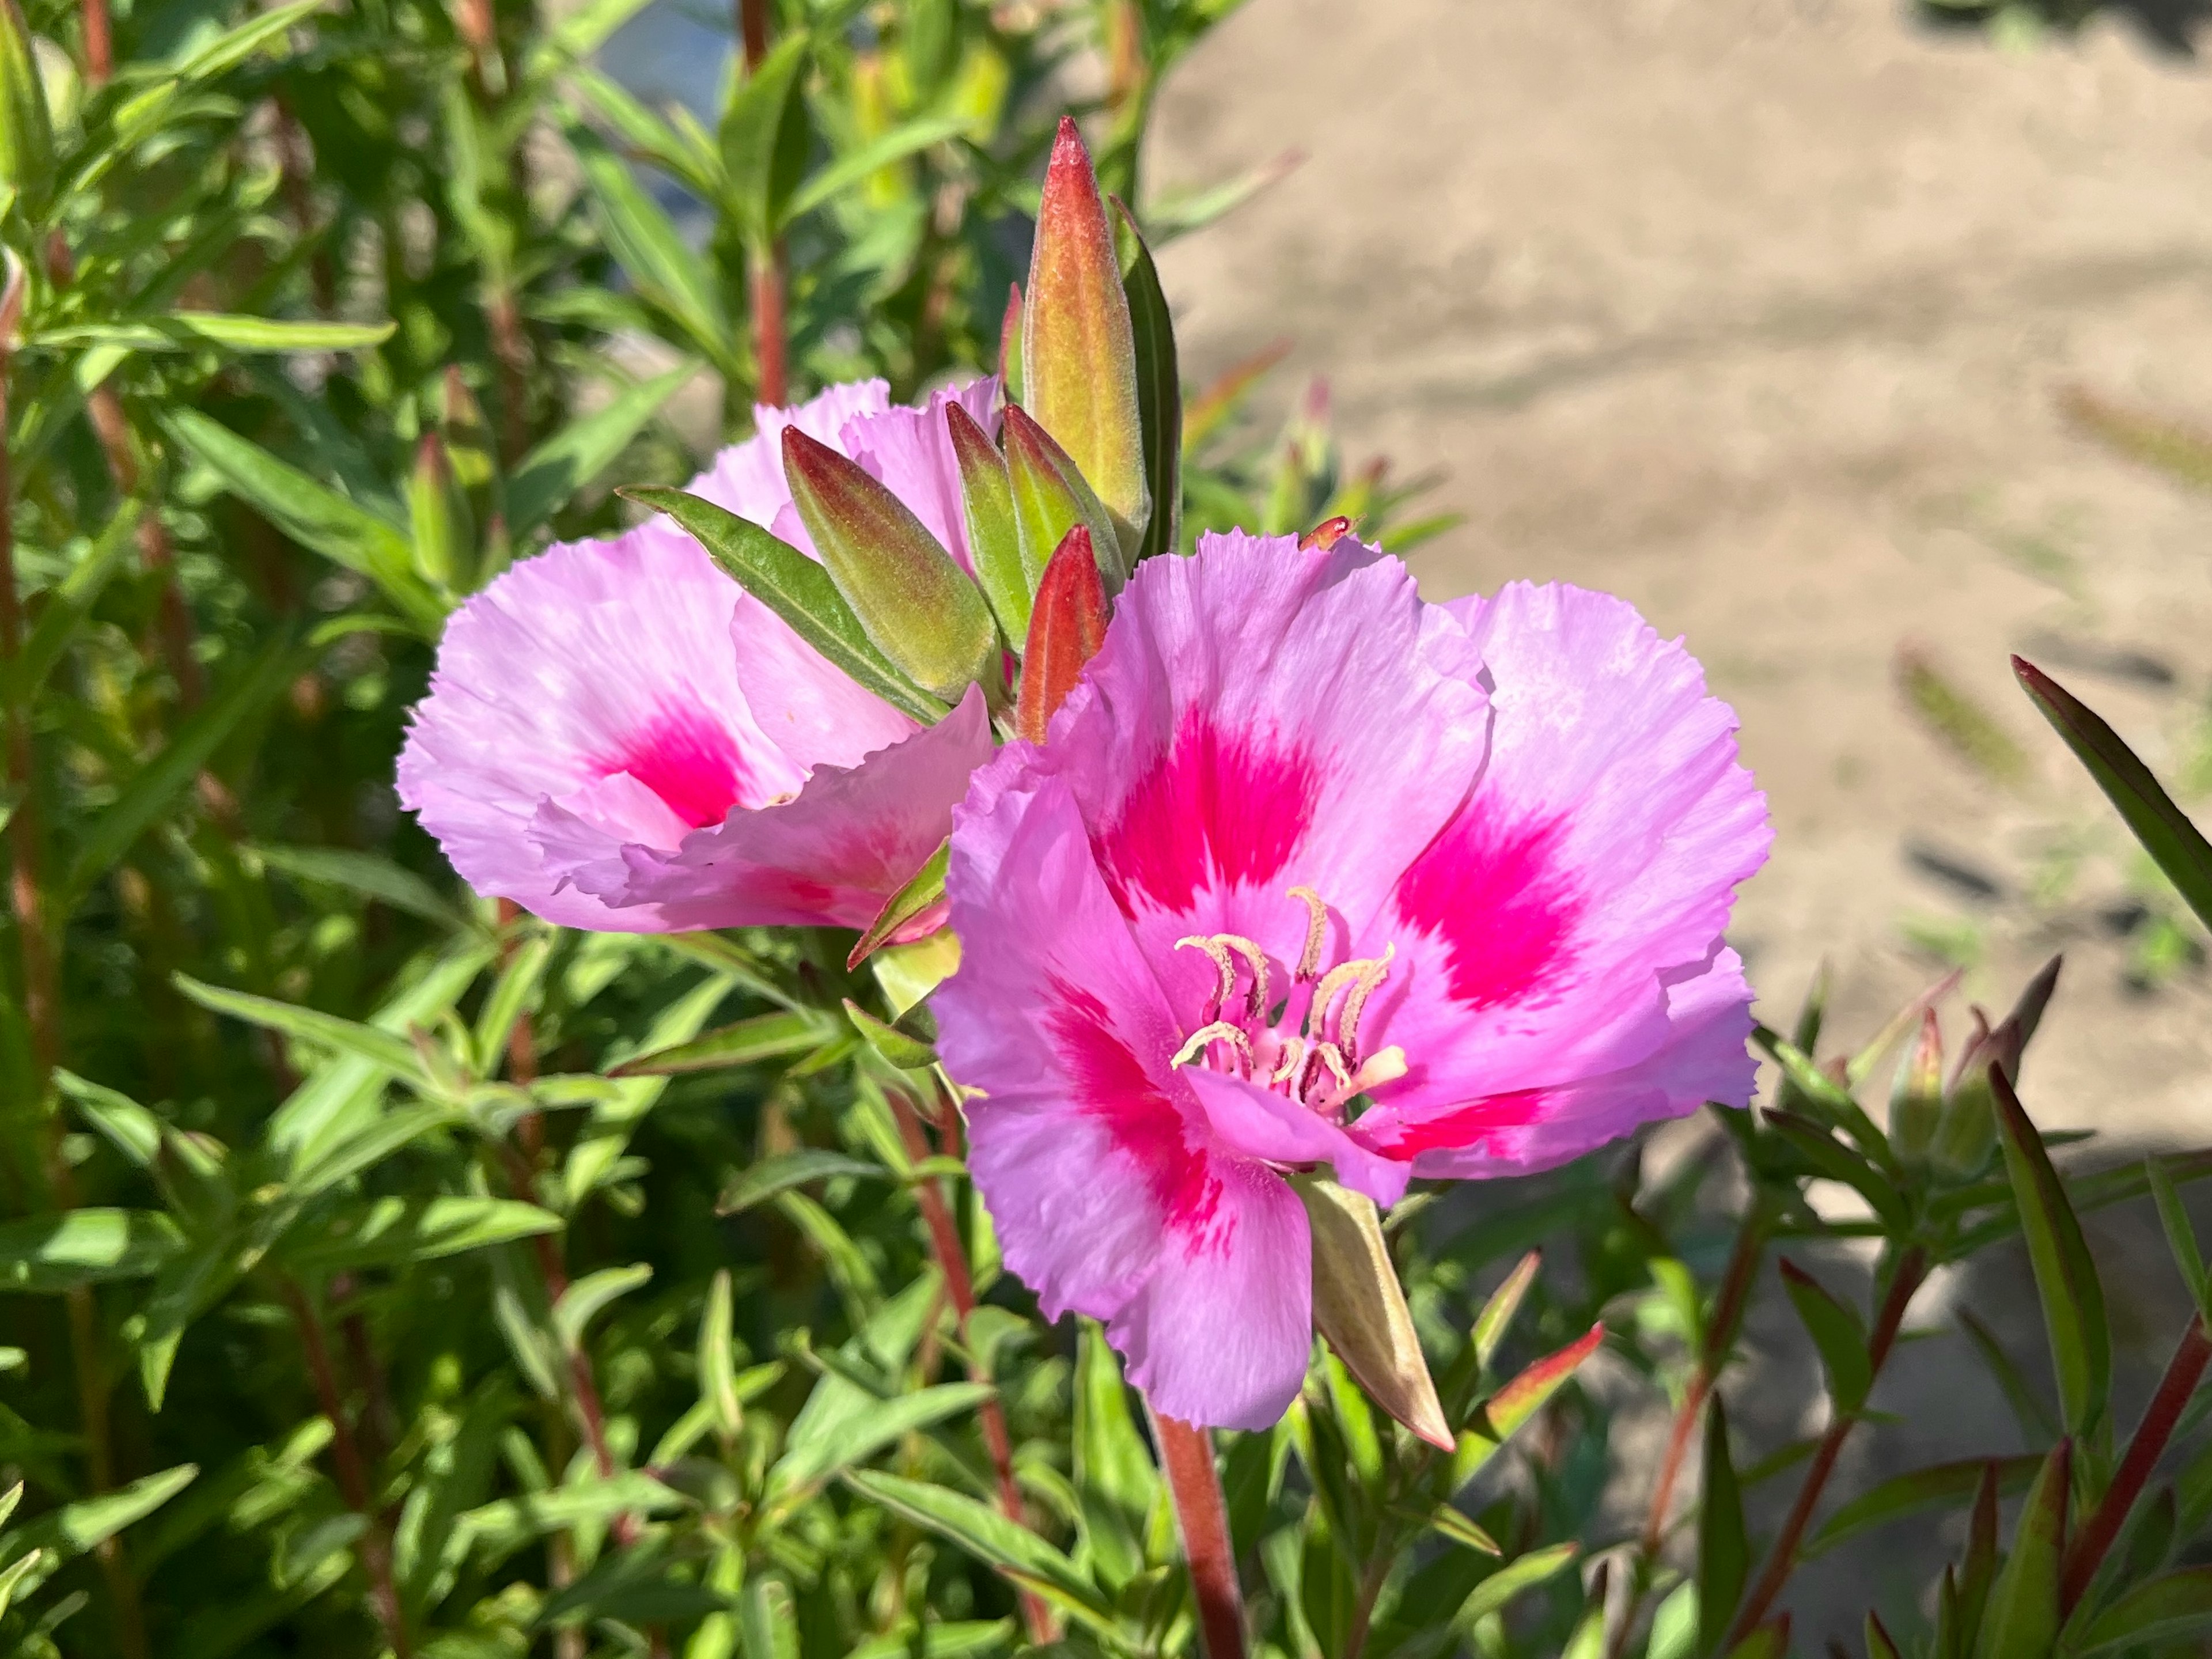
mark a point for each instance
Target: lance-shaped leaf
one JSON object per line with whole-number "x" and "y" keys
{"x": 893, "y": 1044}
{"x": 1065, "y": 630}
{"x": 26, "y": 132}
{"x": 1878, "y": 1643}
{"x": 798, "y": 590}
{"x": 2174, "y": 1607}
{"x": 1724, "y": 1541}
{"x": 1497, "y": 1417}
{"x": 1160, "y": 388}
{"x": 987, "y": 501}
{"x": 2176, "y": 845}
{"x": 1050, "y": 498}
{"x": 1838, "y": 1333}
{"x": 1358, "y": 1306}
{"x": 763, "y": 138}
{"x": 916, "y": 606}
{"x": 2065, "y": 1274}
{"x": 748, "y": 1042}
{"x": 1979, "y": 1570}
{"x": 557, "y": 468}
{"x": 1079, "y": 353}
{"x": 1010, "y": 345}
{"x": 2022, "y": 1621}
{"x": 916, "y": 908}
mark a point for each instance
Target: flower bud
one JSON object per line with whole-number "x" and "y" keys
{"x": 1065, "y": 630}
{"x": 986, "y": 501}
{"x": 438, "y": 514}
{"x": 1051, "y": 497}
{"x": 1077, "y": 349}
{"x": 913, "y": 602}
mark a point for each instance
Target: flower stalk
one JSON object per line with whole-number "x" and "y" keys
{"x": 1202, "y": 1520}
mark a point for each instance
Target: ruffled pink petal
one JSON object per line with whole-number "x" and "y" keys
{"x": 1260, "y": 717}
{"x": 831, "y": 856}
{"x": 909, "y": 451}
{"x": 1094, "y": 1155}
{"x": 598, "y": 675}
{"x": 1221, "y": 1332}
{"x": 1258, "y": 1123}
{"x": 747, "y": 478}
{"x": 1705, "y": 1058}
{"x": 1593, "y": 866}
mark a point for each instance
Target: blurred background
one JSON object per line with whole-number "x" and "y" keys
{"x": 1859, "y": 346}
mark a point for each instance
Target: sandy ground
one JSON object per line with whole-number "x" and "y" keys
{"x": 1757, "y": 313}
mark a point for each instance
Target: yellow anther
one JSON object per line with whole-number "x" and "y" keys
{"x": 1328, "y": 1054}
{"x": 1214, "y": 948}
{"x": 1316, "y": 931}
{"x": 1195, "y": 1045}
{"x": 1375, "y": 971}
{"x": 1294, "y": 1055}
{"x": 1353, "y": 975}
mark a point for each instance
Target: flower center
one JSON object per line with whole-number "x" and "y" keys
{"x": 1307, "y": 1046}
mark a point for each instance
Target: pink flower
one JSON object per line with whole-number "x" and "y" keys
{"x": 1310, "y": 872}
{"x": 618, "y": 737}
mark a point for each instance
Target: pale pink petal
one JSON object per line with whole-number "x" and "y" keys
{"x": 804, "y": 704}
{"x": 910, "y": 452}
{"x": 747, "y": 478}
{"x": 1221, "y": 1332}
{"x": 1258, "y": 1123}
{"x": 592, "y": 661}
{"x": 850, "y": 840}
{"x": 1705, "y": 1058}
{"x": 1595, "y": 865}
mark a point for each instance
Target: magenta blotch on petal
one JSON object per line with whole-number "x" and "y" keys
{"x": 620, "y": 737}
{"x": 1309, "y": 873}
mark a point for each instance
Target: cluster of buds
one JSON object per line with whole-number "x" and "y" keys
{"x": 1056, "y": 512}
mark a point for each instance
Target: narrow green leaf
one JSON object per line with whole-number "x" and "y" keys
{"x": 516, "y": 1520}
{"x": 1524, "y": 1572}
{"x": 808, "y": 1460}
{"x": 1724, "y": 1541}
{"x": 586, "y": 1298}
{"x": 1497, "y": 1315}
{"x": 394, "y": 1055}
{"x": 856, "y": 166}
{"x": 772, "y": 1176}
{"x": 156, "y": 785}
{"x": 994, "y": 542}
{"x": 389, "y": 1231}
{"x": 2180, "y": 1236}
{"x": 1159, "y": 387}
{"x": 276, "y": 334}
{"x": 1937, "y": 1487}
{"x": 717, "y": 1358}
{"x": 361, "y": 1152}
{"x": 310, "y": 513}
{"x": 2065, "y": 1273}
{"x": 513, "y": 994}
{"x": 1879, "y": 1644}
{"x": 79, "y": 1527}
{"x": 1014, "y": 1551}
{"x": 1838, "y": 1332}
{"x": 922, "y": 894}
{"x": 894, "y": 1046}
{"x": 747, "y": 1042}
{"x": 2022, "y": 1621}
{"x": 68, "y": 605}
{"x": 44, "y": 1254}
{"x": 798, "y": 590}
{"x": 122, "y": 1122}
{"x": 763, "y": 138}
{"x": 644, "y": 242}
{"x": 552, "y": 473}
{"x": 1496, "y": 1419}
{"x": 2175, "y": 844}
{"x": 372, "y": 877}
{"x": 2174, "y": 1607}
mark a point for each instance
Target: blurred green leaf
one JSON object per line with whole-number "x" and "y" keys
{"x": 46, "y": 1254}
{"x": 1015, "y": 1552}
{"x": 2022, "y": 1620}
{"x": 1839, "y": 1334}
{"x": 1724, "y": 1541}
{"x": 2065, "y": 1272}
{"x": 553, "y": 471}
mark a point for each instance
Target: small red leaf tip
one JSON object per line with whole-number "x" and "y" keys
{"x": 1326, "y": 534}
{"x": 1068, "y": 148}
{"x": 1066, "y": 627}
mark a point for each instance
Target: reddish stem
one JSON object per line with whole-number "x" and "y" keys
{"x": 1187, "y": 1459}
{"x": 99, "y": 44}
{"x": 771, "y": 374}
{"x": 352, "y": 1472}
{"x": 1782, "y": 1560}
{"x": 960, "y": 1290}
{"x": 752, "y": 30}
{"x": 2086, "y": 1554}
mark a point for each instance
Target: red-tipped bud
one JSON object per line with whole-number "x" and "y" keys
{"x": 1326, "y": 534}
{"x": 1067, "y": 628}
{"x": 987, "y": 499}
{"x": 1078, "y": 350}
{"x": 913, "y": 602}
{"x": 1010, "y": 345}
{"x": 1051, "y": 496}
{"x": 444, "y": 533}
